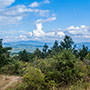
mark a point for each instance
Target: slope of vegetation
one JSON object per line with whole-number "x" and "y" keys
{"x": 62, "y": 67}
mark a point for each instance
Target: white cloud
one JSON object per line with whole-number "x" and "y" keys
{"x": 34, "y": 4}
{"x": 38, "y": 32}
{"x": 60, "y": 33}
{"x": 14, "y": 14}
{"x": 5, "y": 3}
{"x": 78, "y": 34}
{"x": 82, "y": 33}
{"x": 9, "y": 20}
{"x": 57, "y": 34}
{"x": 78, "y": 30}
{"x": 37, "y": 4}
{"x": 30, "y": 34}
{"x": 17, "y": 13}
{"x": 50, "y": 34}
{"x": 72, "y": 27}
{"x": 46, "y": 20}
{"x": 41, "y": 12}
{"x": 23, "y": 37}
{"x": 83, "y": 26}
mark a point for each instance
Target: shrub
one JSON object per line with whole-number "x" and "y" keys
{"x": 34, "y": 79}
{"x": 16, "y": 67}
{"x": 70, "y": 69}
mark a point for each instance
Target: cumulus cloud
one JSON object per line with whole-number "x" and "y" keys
{"x": 41, "y": 35}
{"x": 82, "y": 33}
{"x": 78, "y": 30}
{"x": 38, "y": 32}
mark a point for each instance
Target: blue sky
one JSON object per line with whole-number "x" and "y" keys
{"x": 44, "y": 20}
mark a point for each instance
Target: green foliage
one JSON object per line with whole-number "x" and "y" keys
{"x": 67, "y": 43}
{"x": 88, "y": 56}
{"x": 3, "y": 60}
{"x": 4, "y": 54}
{"x": 34, "y": 79}
{"x": 24, "y": 56}
{"x": 44, "y": 51}
{"x": 68, "y": 67}
{"x": 45, "y": 48}
{"x": 37, "y": 53}
{"x": 43, "y": 66}
{"x": 55, "y": 49}
{"x": 83, "y": 52}
{"x": 16, "y": 67}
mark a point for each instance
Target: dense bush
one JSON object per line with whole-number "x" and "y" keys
{"x": 16, "y": 67}
{"x": 34, "y": 79}
{"x": 70, "y": 69}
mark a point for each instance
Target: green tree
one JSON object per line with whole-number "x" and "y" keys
{"x": 24, "y": 56}
{"x": 45, "y": 48}
{"x": 55, "y": 49}
{"x": 66, "y": 43}
{"x": 55, "y": 46}
{"x": 83, "y": 52}
{"x": 4, "y": 54}
{"x": 44, "y": 51}
{"x": 37, "y": 53}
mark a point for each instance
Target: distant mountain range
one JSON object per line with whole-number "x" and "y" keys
{"x": 31, "y": 45}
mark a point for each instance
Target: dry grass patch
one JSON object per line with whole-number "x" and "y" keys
{"x": 4, "y": 80}
{"x": 8, "y": 81}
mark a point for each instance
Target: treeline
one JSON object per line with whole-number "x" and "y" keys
{"x": 63, "y": 65}
{"x": 47, "y": 52}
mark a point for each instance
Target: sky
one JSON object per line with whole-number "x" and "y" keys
{"x": 44, "y": 20}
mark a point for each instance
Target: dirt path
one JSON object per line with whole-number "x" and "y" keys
{"x": 9, "y": 79}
